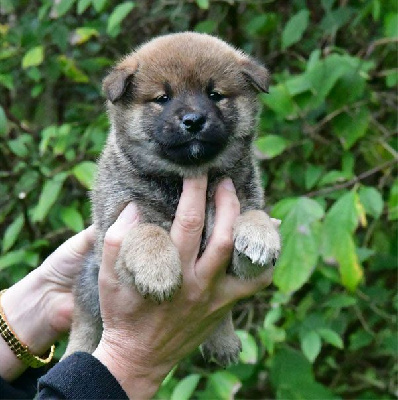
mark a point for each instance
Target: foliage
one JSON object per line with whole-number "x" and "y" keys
{"x": 327, "y": 150}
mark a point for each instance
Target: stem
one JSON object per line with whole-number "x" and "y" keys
{"x": 353, "y": 181}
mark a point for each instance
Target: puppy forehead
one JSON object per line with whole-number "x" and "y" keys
{"x": 189, "y": 61}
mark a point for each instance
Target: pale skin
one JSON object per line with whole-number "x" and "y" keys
{"x": 141, "y": 342}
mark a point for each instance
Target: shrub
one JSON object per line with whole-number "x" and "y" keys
{"x": 327, "y": 149}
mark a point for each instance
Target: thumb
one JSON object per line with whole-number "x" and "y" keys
{"x": 114, "y": 236}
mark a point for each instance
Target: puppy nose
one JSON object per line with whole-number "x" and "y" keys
{"x": 193, "y": 122}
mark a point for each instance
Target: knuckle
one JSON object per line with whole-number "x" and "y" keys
{"x": 102, "y": 280}
{"x": 234, "y": 203}
{"x": 224, "y": 243}
{"x": 229, "y": 202}
{"x": 190, "y": 221}
{"x": 112, "y": 239}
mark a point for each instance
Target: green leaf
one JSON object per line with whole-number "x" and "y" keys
{"x": 280, "y": 101}
{"x": 70, "y": 69}
{"x": 7, "y": 81}
{"x": 33, "y": 57}
{"x": 393, "y": 202}
{"x": 48, "y": 196}
{"x": 337, "y": 242}
{"x": 261, "y": 24}
{"x": 3, "y": 122}
{"x": 249, "y": 353}
{"x": 340, "y": 301}
{"x": 185, "y": 388}
{"x": 292, "y": 378}
{"x": 85, "y": 173}
{"x": 360, "y": 339}
{"x": 12, "y": 232}
{"x": 82, "y": 35}
{"x": 118, "y": 15}
{"x": 391, "y": 78}
{"x": 311, "y": 345}
{"x": 282, "y": 208}
{"x": 295, "y": 28}
{"x": 334, "y": 177}
{"x": 224, "y": 385}
{"x": 300, "y": 238}
{"x": 349, "y": 88}
{"x": 19, "y": 257}
{"x": 207, "y": 26}
{"x": 324, "y": 74}
{"x": 62, "y": 7}
{"x": 271, "y": 145}
{"x": 271, "y": 335}
{"x": 351, "y": 127}
{"x": 372, "y": 201}
{"x": 272, "y": 316}
{"x": 36, "y": 90}
{"x": 82, "y": 6}
{"x": 99, "y": 5}
{"x": 203, "y": 4}
{"x": 19, "y": 146}
{"x": 391, "y": 25}
{"x": 47, "y": 135}
{"x": 335, "y": 19}
{"x": 291, "y": 368}
{"x": 72, "y": 218}
{"x": 331, "y": 337}
{"x": 8, "y": 53}
{"x": 312, "y": 175}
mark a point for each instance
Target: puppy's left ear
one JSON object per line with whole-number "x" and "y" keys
{"x": 256, "y": 74}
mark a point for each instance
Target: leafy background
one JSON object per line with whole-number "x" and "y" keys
{"x": 328, "y": 150}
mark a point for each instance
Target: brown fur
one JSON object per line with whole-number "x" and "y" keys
{"x": 146, "y": 158}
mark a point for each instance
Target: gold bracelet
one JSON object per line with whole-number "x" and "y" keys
{"x": 20, "y": 349}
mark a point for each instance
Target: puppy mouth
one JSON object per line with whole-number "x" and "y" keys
{"x": 193, "y": 151}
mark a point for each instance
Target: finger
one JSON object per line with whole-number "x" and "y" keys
{"x": 220, "y": 245}
{"x": 187, "y": 228}
{"x": 233, "y": 288}
{"x": 114, "y": 236}
{"x": 81, "y": 243}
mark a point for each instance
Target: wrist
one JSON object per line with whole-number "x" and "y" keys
{"x": 138, "y": 381}
{"x": 23, "y": 306}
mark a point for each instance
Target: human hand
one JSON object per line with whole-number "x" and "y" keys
{"x": 39, "y": 307}
{"x": 143, "y": 340}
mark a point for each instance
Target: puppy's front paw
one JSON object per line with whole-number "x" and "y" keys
{"x": 149, "y": 260}
{"x": 257, "y": 244}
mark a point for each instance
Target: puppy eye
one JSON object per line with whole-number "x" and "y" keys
{"x": 216, "y": 96}
{"x": 162, "y": 99}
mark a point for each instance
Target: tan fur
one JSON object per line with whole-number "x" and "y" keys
{"x": 145, "y": 245}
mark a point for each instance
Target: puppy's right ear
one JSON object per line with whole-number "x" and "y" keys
{"x": 115, "y": 84}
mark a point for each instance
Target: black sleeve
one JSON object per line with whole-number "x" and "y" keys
{"x": 80, "y": 376}
{"x": 22, "y": 388}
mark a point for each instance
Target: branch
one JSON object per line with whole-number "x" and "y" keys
{"x": 352, "y": 181}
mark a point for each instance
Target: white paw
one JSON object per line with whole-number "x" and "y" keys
{"x": 261, "y": 246}
{"x": 257, "y": 245}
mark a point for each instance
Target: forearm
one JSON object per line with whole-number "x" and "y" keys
{"x": 23, "y": 306}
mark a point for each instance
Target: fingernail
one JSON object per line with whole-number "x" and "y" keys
{"x": 228, "y": 184}
{"x": 129, "y": 214}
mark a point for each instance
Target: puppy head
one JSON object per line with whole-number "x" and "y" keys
{"x": 185, "y": 100}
